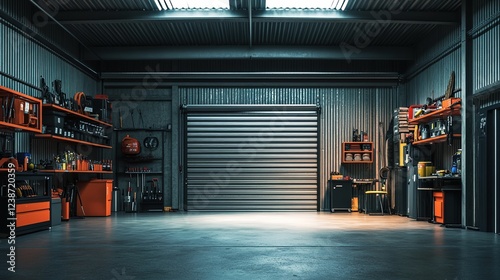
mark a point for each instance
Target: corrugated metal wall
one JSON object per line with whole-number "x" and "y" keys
{"x": 486, "y": 60}
{"x": 433, "y": 80}
{"x": 442, "y": 54}
{"x": 437, "y": 43}
{"x": 242, "y": 95}
{"x": 25, "y": 60}
{"x": 342, "y": 109}
{"x": 486, "y": 38}
{"x": 141, "y": 108}
{"x": 22, "y": 58}
{"x": 25, "y": 12}
{"x": 438, "y": 57}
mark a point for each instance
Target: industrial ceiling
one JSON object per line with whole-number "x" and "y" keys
{"x": 125, "y": 32}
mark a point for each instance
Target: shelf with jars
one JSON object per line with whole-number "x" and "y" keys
{"x": 357, "y": 152}
{"x": 76, "y": 163}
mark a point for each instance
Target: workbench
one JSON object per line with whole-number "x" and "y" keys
{"x": 445, "y": 199}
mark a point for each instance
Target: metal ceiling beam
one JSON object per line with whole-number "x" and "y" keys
{"x": 243, "y": 52}
{"x": 356, "y": 79}
{"x": 383, "y": 17}
{"x": 250, "y": 24}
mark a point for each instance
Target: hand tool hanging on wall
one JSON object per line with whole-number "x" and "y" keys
{"x": 10, "y": 109}
{"x": 120, "y": 117}
{"x": 132, "y": 117}
{"x": 127, "y": 199}
{"x": 157, "y": 190}
{"x": 142, "y": 120}
{"x": 450, "y": 91}
{"x": 451, "y": 86}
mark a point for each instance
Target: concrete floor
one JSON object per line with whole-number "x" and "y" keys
{"x": 289, "y": 245}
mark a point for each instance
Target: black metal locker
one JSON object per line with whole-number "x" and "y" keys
{"x": 416, "y": 154}
{"x": 401, "y": 189}
{"x": 487, "y": 170}
{"x": 340, "y": 195}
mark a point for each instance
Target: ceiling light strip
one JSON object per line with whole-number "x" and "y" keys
{"x": 169, "y": 4}
{"x": 310, "y": 4}
{"x": 158, "y": 5}
{"x": 334, "y": 4}
{"x": 163, "y": 4}
{"x": 339, "y": 5}
{"x": 345, "y": 4}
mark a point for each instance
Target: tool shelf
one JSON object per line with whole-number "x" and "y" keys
{"x": 83, "y": 138}
{"x": 435, "y": 140}
{"x": 74, "y": 171}
{"x": 138, "y": 171}
{"x": 53, "y": 107}
{"x": 453, "y": 111}
{"x": 20, "y": 112}
{"x": 437, "y": 114}
{"x": 66, "y": 139}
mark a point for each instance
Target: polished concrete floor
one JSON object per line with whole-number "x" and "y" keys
{"x": 283, "y": 245}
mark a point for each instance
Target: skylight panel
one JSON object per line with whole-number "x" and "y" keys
{"x": 191, "y": 4}
{"x": 309, "y": 4}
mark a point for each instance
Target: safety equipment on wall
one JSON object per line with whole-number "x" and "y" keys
{"x": 130, "y": 146}
{"x": 151, "y": 142}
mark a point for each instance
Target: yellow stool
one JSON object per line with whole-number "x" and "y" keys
{"x": 379, "y": 195}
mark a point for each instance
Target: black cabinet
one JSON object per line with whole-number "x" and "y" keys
{"x": 400, "y": 181}
{"x": 340, "y": 195}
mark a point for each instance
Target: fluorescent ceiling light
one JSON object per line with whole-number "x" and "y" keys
{"x": 191, "y": 4}
{"x": 164, "y": 4}
{"x": 168, "y": 3}
{"x": 339, "y": 5}
{"x": 158, "y": 5}
{"x": 345, "y": 4}
{"x": 309, "y": 4}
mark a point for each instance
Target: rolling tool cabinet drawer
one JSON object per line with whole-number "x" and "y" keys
{"x": 32, "y": 213}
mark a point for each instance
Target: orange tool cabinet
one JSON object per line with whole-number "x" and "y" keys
{"x": 96, "y": 198}
{"x": 438, "y": 207}
{"x": 32, "y": 203}
{"x": 32, "y": 213}
{"x": 447, "y": 206}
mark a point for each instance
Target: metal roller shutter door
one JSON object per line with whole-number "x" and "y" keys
{"x": 251, "y": 158}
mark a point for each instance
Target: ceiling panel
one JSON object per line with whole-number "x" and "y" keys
{"x": 162, "y": 33}
{"x": 114, "y": 25}
{"x": 356, "y": 5}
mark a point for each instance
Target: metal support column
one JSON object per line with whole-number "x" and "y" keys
{"x": 468, "y": 188}
{"x": 176, "y": 182}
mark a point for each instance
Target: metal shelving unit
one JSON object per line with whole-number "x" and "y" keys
{"x": 142, "y": 170}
